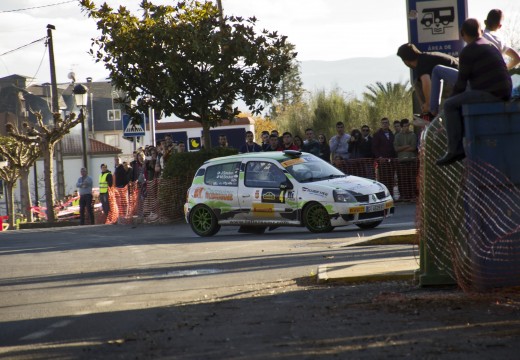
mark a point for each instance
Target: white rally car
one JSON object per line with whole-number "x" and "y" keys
{"x": 291, "y": 188}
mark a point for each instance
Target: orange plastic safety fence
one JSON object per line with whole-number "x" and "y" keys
{"x": 400, "y": 177}
{"x": 155, "y": 201}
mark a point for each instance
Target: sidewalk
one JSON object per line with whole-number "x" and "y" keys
{"x": 392, "y": 268}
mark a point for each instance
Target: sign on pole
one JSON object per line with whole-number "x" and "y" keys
{"x": 434, "y": 25}
{"x": 133, "y": 127}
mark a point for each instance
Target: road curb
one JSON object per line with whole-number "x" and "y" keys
{"x": 385, "y": 270}
{"x": 400, "y": 237}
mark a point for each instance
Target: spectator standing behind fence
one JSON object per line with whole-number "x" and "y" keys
{"x": 354, "y": 144}
{"x": 311, "y": 145}
{"x": 105, "y": 181}
{"x": 222, "y": 141}
{"x": 298, "y": 142}
{"x": 250, "y": 145}
{"x": 355, "y": 163}
{"x": 120, "y": 173}
{"x": 482, "y": 67}
{"x": 383, "y": 149}
{"x": 133, "y": 166}
{"x": 287, "y": 142}
{"x": 324, "y": 148}
{"x": 84, "y": 184}
{"x": 423, "y": 64}
{"x": 365, "y": 147}
{"x": 339, "y": 142}
{"x": 280, "y": 140}
{"x": 274, "y": 143}
{"x": 150, "y": 163}
{"x": 405, "y": 144}
{"x": 265, "y": 141}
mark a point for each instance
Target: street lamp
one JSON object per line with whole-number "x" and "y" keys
{"x": 81, "y": 97}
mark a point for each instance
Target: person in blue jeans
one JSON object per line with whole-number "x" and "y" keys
{"x": 449, "y": 75}
{"x": 481, "y": 67}
{"x": 423, "y": 64}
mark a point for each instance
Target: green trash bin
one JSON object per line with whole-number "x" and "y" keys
{"x": 435, "y": 236}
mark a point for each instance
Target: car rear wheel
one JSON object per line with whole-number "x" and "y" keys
{"x": 369, "y": 225}
{"x": 316, "y": 218}
{"x": 203, "y": 221}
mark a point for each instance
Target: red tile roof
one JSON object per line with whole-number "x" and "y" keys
{"x": 72, "y": 145}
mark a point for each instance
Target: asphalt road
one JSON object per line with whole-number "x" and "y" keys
{"x": 77, "y": 287}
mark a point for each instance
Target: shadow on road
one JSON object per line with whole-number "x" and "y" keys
{"x": 286, "y": 321}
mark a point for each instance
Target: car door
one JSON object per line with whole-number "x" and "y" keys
{"x": 262, "y": 198}
{"x": 220, "y": 189}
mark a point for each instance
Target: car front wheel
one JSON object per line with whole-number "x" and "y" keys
{"x": 203, "y": 221}
{"x": 316, "y": 218}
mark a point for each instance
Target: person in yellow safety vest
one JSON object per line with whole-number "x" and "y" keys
{"x": 75, "y": 202}
{"x": 105, "y": 181}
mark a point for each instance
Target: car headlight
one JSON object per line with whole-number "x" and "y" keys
{"x": 343, "y": 196}
{"x": 387, "y": 193}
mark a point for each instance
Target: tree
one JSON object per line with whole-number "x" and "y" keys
{"x": 19, "y": 159}
{"x": 392, "y": 100}
{"x": 46, "y": 136}
{"x": 184, "y": 61}
{"x": 290, "y": 90}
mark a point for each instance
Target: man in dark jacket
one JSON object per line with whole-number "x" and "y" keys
{"x": 423, "y": 63}
{"x": 384, "y": 152}
{"x": 120, "y": 173}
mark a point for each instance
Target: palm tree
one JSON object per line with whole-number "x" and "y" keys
{"x": 392, "y": 100}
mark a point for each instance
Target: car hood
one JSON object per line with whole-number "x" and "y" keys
{"x": 354, "y": 184}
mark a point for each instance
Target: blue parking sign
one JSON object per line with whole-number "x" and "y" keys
{"x": 434, "y": 25}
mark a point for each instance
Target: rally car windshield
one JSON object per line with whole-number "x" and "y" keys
{"x": 309, "y": 168}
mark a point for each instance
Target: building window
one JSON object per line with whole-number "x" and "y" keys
{"x": 112, "y": 140}
{"x": 114, "y": 115}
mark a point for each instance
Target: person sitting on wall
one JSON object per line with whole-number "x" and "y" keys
{"x": 482, "y": 66}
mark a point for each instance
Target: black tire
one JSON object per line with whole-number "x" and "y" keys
{"x": 316, "y": 218}
{"x": 369, "y": 225}
{"x": 203, "y": 221}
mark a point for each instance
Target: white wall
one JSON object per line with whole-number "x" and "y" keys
{"x": 72, "y": 166}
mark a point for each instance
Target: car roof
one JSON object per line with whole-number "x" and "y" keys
{"x": 269, "y": 155}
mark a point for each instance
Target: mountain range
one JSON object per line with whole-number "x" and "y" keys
{"x": 353, "y": 75}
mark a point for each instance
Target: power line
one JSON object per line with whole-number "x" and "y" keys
{"x": 38, "y": 7}
{"x": 39, "y": 66}
{"x": 21, "y": 47}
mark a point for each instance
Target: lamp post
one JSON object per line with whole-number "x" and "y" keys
{"x": 81, "y": 97}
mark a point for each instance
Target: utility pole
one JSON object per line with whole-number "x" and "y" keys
{"x": 220, "y": 13}
{"x": 56, "y": 109}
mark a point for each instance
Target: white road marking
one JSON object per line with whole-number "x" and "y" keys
{"x": 47, "y": 331}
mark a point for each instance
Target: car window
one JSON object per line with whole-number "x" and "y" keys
{"x": 263, "y": 174}
{"x": 222, "y": 174}
{"x": 310, "y": 168}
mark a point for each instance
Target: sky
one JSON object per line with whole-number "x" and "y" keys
{"x": 326, "y": 30}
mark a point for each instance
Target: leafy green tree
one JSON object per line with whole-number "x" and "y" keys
{"x": 290, "y": 90}
{"x": 184, "y": 60}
